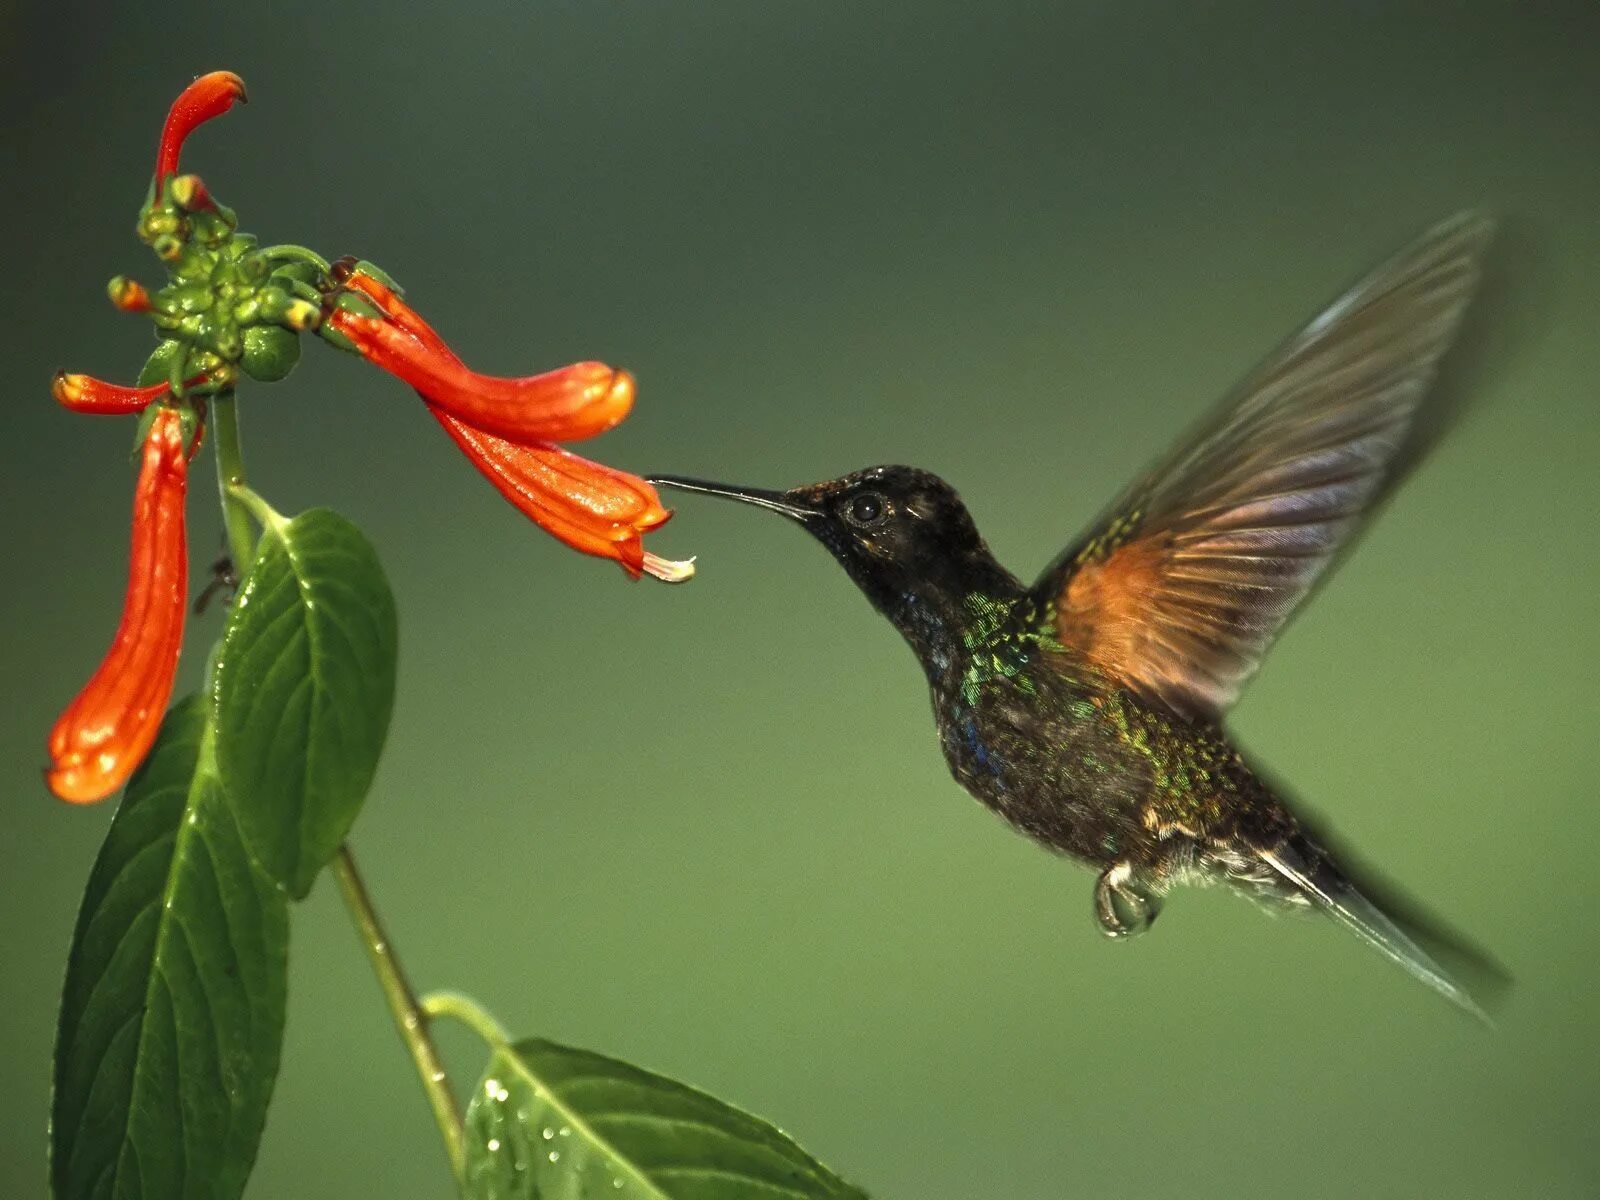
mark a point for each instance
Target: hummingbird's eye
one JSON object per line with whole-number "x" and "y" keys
{"x": 866, "y": 510}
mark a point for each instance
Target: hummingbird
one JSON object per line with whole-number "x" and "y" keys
{"x": 1087, "y": 710}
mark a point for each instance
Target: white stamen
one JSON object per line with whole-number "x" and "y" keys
{"x": 667, "y": 570}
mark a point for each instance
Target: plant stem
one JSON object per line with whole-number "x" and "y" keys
{"x": 469, "y": 1012}
{"x": 237, "y": 503}
{"x": 266, "y": 516}
{"x": 230, "y": 475}
{"x": 409, "y": 1019}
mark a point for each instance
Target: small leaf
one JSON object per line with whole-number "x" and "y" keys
{"x": 172, "y": 1013}
{"x": 551, "y": 1123}
{"x": 304, "y": 688}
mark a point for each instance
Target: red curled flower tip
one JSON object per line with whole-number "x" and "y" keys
{"x": 564, "y": 405}
{"x": 86, "y": 394}
{"x": 207, "y": 97}
{"x": 109, "y": 727}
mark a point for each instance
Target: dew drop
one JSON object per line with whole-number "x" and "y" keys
{"x": 565, "y": 1131}
{"x": 547, "y": 1133}
{"x": 555, "y": 1156}
{"x": 494, "y": 1144}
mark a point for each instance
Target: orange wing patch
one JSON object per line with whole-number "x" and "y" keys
{"x": 1104, "y": 604}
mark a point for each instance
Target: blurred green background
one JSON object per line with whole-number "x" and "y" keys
{"x": 709, "y": 829}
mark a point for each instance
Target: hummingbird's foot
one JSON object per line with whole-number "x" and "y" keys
{"x": 224, "y": 578}
{"x": 1121, "y": 906}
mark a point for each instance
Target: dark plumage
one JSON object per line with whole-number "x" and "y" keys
{"x": 1087, "y": 709}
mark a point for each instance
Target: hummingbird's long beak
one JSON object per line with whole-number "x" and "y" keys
{"x": 784, "y": 502}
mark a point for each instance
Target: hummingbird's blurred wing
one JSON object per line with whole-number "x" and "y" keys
{"x": 1180, "y": 589}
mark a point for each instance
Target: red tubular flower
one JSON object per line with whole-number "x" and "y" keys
{"x": 567, "y": 404}
{"x": 85, "y": 394}
{"x": 207, "y": 97}
{"x": 590, "y": 507}
{"x": 109, "y": 727}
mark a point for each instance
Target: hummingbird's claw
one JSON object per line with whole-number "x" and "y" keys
{"x": 224, "y": 578}
{"x": 1121, "y": 906}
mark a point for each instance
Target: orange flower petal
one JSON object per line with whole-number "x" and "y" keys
{"x": 591, "y": 508}
{"x": 564, "y": 405}
{"x": 207, "y": 97}
{"x": 109, "y": 727}
{"x": 398, "y": 311}
{"x": 85, "y": 394}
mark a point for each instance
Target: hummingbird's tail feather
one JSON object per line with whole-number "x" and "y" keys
{"x": 1313, "y": 874}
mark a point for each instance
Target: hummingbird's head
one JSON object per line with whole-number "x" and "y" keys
{"x": 902, "y": 534}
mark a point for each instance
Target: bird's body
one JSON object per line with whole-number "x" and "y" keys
{"x": 1087, "y": 709}
{"x": 1086, "y": 768}
{"x": 1067, "y": 755}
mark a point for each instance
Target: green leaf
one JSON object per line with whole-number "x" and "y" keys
{"x": 172, "y": 1012}
{"x": 551, "y": 1123}
{"x": 304, "y": 688}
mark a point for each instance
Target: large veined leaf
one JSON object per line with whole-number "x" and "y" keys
{"x": 304, "y": 688}
{"x": 172, "y": 1012}
{"x": 548, "y": 1122}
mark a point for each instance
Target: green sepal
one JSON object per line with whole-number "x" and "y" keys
{"x": 141, "y": 432}
{"x": 350, "y": 302}
{"x": 298, "y": 270}
{"x": 188, "y": 410}
{"x": 165, "y": 364}
{"x": 172, "y": 1011}
{"x": 356, "y": 303}
{"x": 300, "y": 289}
{"x": 376, "y": 272}
{"x": 336, "y": 339}
{"x": 304, "y": 688}
{"x": 549, "y": 1121}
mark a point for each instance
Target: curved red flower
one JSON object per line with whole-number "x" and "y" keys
{"x": 109, "y": 727}
{"x": 209, "y": 96}
{"x": 567, "y": 404}
{"x": 507, "y": 427}
{"x": 86, "y": 394}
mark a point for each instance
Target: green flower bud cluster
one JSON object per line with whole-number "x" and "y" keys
{"x": 229, "y": 306}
